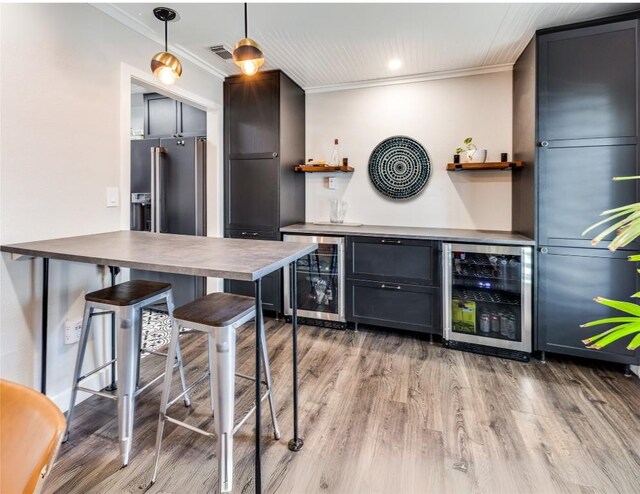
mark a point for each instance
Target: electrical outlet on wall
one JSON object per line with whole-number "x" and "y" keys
{"x": 331, "y": 183}
{"x": 72, "y": 331}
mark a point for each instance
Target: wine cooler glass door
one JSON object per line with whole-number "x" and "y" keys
{"x": 488, "y": 295}
{"x": 319, "y": 280}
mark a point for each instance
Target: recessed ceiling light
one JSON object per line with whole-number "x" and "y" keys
{"x": 394, "y": 64}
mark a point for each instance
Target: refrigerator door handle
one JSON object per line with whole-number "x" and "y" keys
{"x": 157, "y": 199}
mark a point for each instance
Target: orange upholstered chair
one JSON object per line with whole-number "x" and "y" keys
{"x": 31, "y": 428}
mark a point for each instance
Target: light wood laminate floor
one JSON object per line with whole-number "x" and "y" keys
{"x": 381, "y": 413}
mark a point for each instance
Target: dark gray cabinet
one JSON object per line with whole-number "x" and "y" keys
{"x": 576, "y": 95}
{"x": 166, "y": 117}
{"x": 394, "y": 283}
{"x": 400, "y": 260}
{"x": 568, "y": 279}
{"x": 271, "y": 284}
{"x": 264, "y": 119}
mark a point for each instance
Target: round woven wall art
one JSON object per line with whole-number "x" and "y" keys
{"x": 399, "y": 167}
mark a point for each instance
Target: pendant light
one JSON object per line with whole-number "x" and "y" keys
{"x": 164, "y": 65}
{"x": 247, "y": 53}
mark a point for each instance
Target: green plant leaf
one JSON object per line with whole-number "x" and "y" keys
{"x": 635, "y": 295}
{"x": 595, "y": 338}
{"x": 468, "y": 140}
{"x": 617, "y": 335}
{"x": 614, "y": 227}
{"x": 458, "y": 150}
{"x": 619, "y": 179}
{"x": 628, "y": 307}
{"x": 634, "y": 258}
{"x": 609, "y": 320}
{"x": 628, "y": 235}
{"x": 635, "y": 343}
{"x": 606, "y": 220}
{"x": 629, "y": 207}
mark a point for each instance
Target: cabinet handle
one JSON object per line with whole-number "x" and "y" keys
{"x": 544, "y": 144}
{"x": 544, "y": 250}
{"x": 275, "y": 155}
{"x": 254, "y": 234}
{"x": 387, "y": 241}
{"x": 390, "y": 287}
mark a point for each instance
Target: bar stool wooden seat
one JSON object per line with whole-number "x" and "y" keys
{"x": 218, "y": 315}
{"x": 125, "y": 301}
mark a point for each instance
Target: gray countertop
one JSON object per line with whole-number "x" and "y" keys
{"x": 235, "y": 259}
{"x": 445, "y": 234}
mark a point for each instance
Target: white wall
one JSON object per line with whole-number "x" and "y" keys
{"x": 439, "y": 114}
{"x": 61, "y": 146}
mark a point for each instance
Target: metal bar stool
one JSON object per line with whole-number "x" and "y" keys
{"x": 218, "y": 315}
{"x": 126, "y": 302}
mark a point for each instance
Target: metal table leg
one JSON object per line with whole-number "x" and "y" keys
{"x": 45, "y": 324}
{"x": 296, "y": 443}
{"x": 259, "y": 323}
{"x": 114, "y": 272}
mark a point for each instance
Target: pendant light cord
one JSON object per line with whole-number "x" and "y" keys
{"x": 166, "y": 36}
{"x": 245, "y": 21}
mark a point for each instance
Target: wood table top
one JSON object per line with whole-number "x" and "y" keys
{"x": 235, "y": 259}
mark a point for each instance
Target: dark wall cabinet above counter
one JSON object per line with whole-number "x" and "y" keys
{"x": 166, "y": 117}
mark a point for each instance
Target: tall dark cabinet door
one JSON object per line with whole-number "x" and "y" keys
{"x": 568, "y": 281}
{"x": 252, "y": 113}
{"x": 251, "y": 198}
{"x": 587, "y": 82}
{"x": 575, "y": 186}
{"x": 587, "y": 128}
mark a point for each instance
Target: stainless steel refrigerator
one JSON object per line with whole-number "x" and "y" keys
{"x": 168, "y": 196}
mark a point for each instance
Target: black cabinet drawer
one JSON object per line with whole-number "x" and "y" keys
{"x": 392, "y": 305}
{"x": 568, "y": 280}
{"x": 393, "y": 259}
{"x": 252, "y": 235}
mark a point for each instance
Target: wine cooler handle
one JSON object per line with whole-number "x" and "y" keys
{"x": 391, "y": 287}
{"x": 387, "y": 241}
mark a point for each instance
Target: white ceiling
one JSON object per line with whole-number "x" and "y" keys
{"x": 324, "y": 46}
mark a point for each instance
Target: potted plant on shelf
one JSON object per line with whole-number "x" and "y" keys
{"x": 627, "y": 229}
{"x": 471, "y": 151}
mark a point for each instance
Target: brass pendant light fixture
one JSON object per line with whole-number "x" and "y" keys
{"x": 247, "y": 53}
{"x": 164, "y": 65}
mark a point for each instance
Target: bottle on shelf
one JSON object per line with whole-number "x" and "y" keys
{"x": 336, "y": 157}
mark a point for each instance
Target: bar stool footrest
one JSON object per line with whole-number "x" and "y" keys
{"x": 190, "y": 427}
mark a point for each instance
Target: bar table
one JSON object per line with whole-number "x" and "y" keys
{"x": 235, "y": 259}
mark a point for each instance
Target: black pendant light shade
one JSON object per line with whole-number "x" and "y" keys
{"x": 164, "y": 65}
{"x": 247, "y": 53}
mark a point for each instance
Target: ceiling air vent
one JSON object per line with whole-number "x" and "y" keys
{"x": 222, "y": 51}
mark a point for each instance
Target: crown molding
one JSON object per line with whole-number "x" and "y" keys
{"x": 432, "y": 76}
{"x": 131, "y": 22}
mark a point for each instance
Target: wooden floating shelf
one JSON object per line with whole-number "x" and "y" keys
{"x": 496, "y": 165}
{"x": 322, "y": 169}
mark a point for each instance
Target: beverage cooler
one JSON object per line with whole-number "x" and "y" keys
{"x": 487, "y": 299}
{"x": 319, "y": 280}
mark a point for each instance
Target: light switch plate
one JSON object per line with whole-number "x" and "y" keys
{"x": 331, "y": 183}
{"x": 113, "y": 197}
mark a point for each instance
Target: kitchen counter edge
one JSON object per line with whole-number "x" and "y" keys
{"x": 494, "y": 237}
